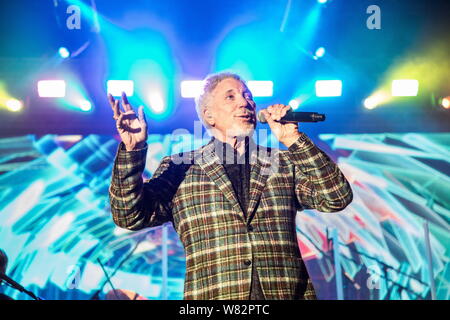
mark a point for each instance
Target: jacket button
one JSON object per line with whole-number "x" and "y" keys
{"x": 250, "y": 228}
{"x": 247, "y": 262}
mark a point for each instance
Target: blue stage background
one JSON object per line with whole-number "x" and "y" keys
{"x": 55, "y": 220}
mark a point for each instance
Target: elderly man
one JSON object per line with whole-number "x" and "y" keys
{"x": 233, "y": 203}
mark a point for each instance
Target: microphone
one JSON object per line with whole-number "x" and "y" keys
{"x": 292, "y": 116}
{"x": 17, "y": 286}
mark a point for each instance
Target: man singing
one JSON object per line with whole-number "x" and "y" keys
{"x": 232, "y": 202}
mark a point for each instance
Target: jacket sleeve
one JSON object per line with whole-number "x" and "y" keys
{"x": 136, "y": 204}
{"x": 319, "y": 184}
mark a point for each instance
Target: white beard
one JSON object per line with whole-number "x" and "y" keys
{"x": 240, "y": 131}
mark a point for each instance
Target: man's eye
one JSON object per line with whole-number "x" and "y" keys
{"x": 230, "y": 96}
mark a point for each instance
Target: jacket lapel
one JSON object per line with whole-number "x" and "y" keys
{"x": 211, "y": 165}
{"x": 261, "y": 168}
{"x": 260, "y": 172}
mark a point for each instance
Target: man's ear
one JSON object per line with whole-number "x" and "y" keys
{"x": 208, "y": 117}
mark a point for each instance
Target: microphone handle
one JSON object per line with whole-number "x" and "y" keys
{"x": 292, "y": 116}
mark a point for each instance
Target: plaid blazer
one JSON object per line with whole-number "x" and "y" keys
{"x": 222, "y": 243}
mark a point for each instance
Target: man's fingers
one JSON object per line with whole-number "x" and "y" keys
{"x": 285, "y": 110}
{"x": 125, "y": 103}
{"x": 116, "y": 109}
{"x": 267, "y": 116}
{"x": 278, "y": 111}
{"x": 114, "y": 106}
{"x": 276, "y": 115}
{"x": 110, "y": 99}
{"x": 119, "y": 124}
{"x": 141, "y": 116}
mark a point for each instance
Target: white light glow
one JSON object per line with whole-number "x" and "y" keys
{"x": 294, "y": 103}
{"x": 52, "y": 88}
{"x": 85, "y": 105}
{"x": 116, "y": 87}
{"x": 191, "y": 88}
{"x": 405, "y": 88}
{"x": 156, "y": 102}
{"x": 14, "y": 105}
{"x": 260, "y": 88}
{"x": 328, "y": 88}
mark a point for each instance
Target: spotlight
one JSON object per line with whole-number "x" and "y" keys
{"x": 85, "y": 105}
{"x": 191, "y": 88}
{"x": 14, "y": 105}
{"x": 294, "y": 103}
{"x": 328, "y": 88}
{"x": 445, "y": 102}
{"x": 260, "y": 88}
{"x": 370, "y": 103}
{"x": 63, "y": 52}
{"x": 375, "y": 100}
{"x": 156, "y": 102}
{"x": 116, "y": 87}
{"x": 320, "y": 52}
{"x": 404, "y": 88}
{"x": 322, "y": 1}
{"x": 52, "y": 88}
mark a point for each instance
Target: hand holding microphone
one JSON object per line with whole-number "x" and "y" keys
{"x": 284, "y": 122}
{"x": 295, "y": 116}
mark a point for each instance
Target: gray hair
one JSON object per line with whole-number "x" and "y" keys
{"x": 210, "y": 83}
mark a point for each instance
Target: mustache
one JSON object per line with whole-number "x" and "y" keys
{"x": 250, "y": 113}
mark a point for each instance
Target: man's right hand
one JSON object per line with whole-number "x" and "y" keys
{"x": 131, "y": 128}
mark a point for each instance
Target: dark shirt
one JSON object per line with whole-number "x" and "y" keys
{"x": 238, "y": 170}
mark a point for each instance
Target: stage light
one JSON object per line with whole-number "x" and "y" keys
{"x": 294, "y": 103}
{"x": 14, "y": 105}
{"x": 156, "y": 102}
{"x": 375, "y": 100}
{"x": 445, "y": 102}
{"x": 370, "y": 103}
{"x": 63, "y": 52}
{"x": 261, "y": 88}
{"x": 320, "y": 52}
{"x": 52, "y": 88}
{"x": 116, "y": 87}
{"x": 404, "y": 88}
{"x": 191, "y": 88}
{"x": 328, "y": 88}
{"x": 85, "y": 105}
{"x": 322, "y": 1}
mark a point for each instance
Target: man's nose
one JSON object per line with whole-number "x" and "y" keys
{"x": 244, "y": 103}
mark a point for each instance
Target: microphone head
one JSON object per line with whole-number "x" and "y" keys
{"x": 261, "y": 117}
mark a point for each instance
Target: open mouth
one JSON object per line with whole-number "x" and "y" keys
{"x": 245, "y": 117}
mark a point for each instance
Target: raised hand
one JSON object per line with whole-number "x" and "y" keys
{"x": 286, "y": 132}
{"x": 131, "y": 128}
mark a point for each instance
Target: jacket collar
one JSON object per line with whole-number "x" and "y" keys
{"x": 261, "y": 162}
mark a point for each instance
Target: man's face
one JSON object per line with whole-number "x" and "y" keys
{"x": 231, "y": 109}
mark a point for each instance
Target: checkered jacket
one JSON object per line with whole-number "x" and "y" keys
{"x": 221, "y": 243}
